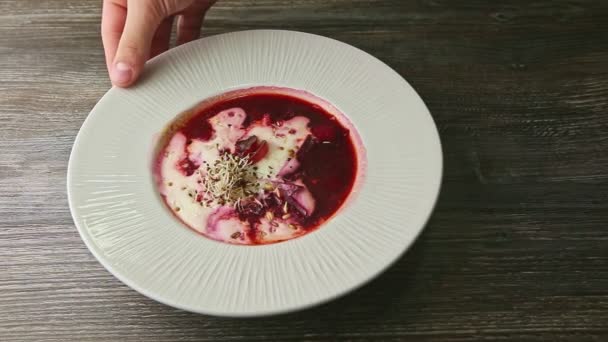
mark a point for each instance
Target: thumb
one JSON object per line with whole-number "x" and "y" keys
{"x": 134, "y": 46}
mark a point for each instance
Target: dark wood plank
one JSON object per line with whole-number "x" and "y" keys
{"x": 517, "y": 248}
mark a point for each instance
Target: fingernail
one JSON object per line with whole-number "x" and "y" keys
{"x": 122, "y": 73}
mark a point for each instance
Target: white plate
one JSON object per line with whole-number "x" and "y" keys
{"x": 123, "y": 222}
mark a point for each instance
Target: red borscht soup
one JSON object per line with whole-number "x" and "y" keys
{"x": 257, "y": 166}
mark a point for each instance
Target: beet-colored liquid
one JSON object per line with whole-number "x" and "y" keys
{"x": 328, "y": 162}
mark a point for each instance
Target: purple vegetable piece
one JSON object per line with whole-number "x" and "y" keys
{"x": 249, "y": 208}
{"x": 294, "y": 203}
{"x": 288, "y": 189}
{"x": 306, "y": 146}
{"x": 291, "y": 192}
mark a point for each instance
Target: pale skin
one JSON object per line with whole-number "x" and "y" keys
{"x": 134, "y": 31}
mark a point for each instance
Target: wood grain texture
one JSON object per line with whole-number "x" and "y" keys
{"x": 517, "y": 248}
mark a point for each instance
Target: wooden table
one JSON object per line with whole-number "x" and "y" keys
{"x": 517, "y": 248}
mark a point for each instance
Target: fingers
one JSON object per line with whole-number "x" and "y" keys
{"x": 134, "y": 46}
{"x": 112, "y": 23}
{"x": 162, "y": 38}
{"x": 134, "y": 30}
{"x": 189, "y": 26}
{"x": 190, "y": 21}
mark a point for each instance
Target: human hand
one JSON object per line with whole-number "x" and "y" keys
{"x": 133, "y": 31}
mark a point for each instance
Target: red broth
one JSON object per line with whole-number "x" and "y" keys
{"x": 328, "y": 159}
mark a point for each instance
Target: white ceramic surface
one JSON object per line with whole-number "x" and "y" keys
{"x": 123, "y": 222}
